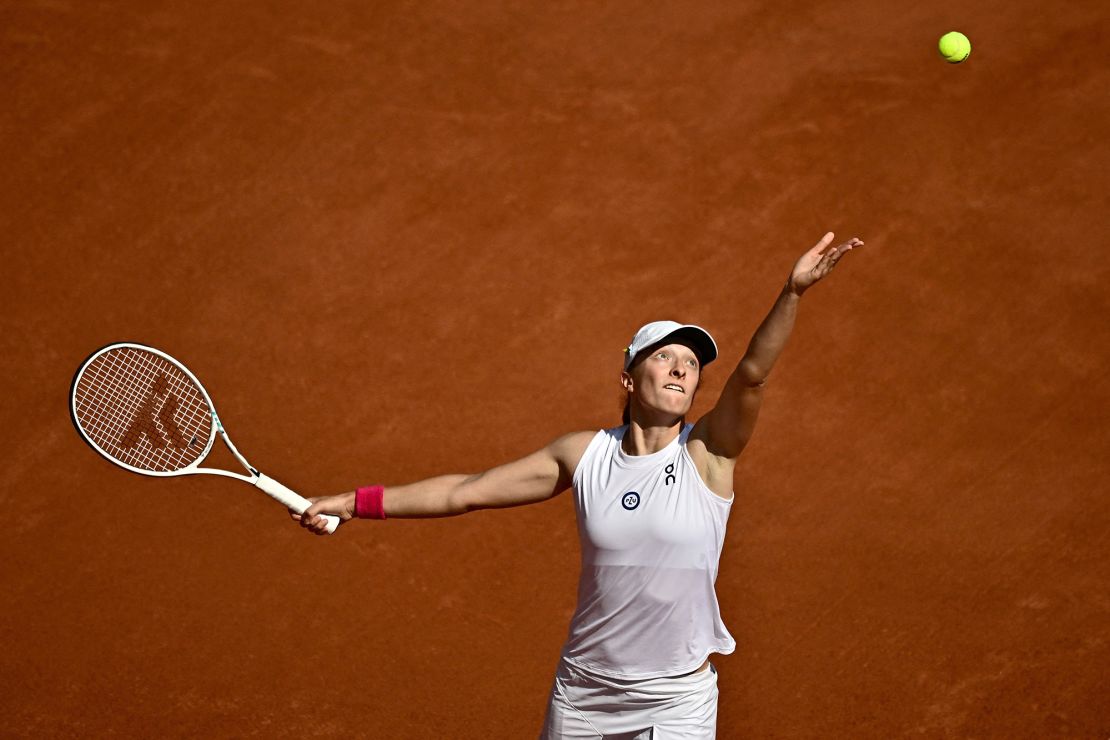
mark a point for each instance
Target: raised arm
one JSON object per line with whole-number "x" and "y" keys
{"x": 726, "y": 429}
{"x": 537, "y": 477}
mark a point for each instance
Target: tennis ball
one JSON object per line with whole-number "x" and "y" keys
{"x": 954, "y": 47}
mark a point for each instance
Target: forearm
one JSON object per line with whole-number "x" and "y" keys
{"x": 770, "y": 338}
{"x": 434, "y": 497}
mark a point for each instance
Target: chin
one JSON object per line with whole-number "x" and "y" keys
{"x": 676, "y": 407}
{"x": 679, "y": 410}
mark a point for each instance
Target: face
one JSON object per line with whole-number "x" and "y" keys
{"x": 664, "y": 379}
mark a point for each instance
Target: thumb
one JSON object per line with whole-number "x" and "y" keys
{"x": 297, "y": 516}
{"x": 826, "y": 240}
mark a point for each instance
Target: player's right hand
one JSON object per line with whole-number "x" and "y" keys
{"x": 342, "y": 506}
{"x": 819, "y": 262}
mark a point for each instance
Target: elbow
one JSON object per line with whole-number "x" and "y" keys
{"x": 751, "y": 375}
{"x": 458, "y": 503}
{"x": 461, "y": 499}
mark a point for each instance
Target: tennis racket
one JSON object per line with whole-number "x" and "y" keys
{"x": 144, "y": 411}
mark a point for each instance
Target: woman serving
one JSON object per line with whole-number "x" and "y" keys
{"x": 652, "y": 498}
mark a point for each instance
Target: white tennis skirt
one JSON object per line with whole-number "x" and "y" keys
{"x": 586, "y": 705}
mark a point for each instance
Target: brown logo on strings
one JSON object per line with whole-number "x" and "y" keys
{"x": 143, "y": 423}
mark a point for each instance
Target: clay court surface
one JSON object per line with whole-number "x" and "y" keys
{"x": 400, "y": 240}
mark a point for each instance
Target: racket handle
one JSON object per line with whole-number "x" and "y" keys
{"x": 291, "y": 499}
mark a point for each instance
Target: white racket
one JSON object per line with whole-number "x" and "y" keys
{"x": 144, "y": 411}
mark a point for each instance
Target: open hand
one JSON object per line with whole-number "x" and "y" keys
{"x": 819, "y": 262}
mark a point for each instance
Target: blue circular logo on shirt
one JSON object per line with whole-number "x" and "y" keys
{"x": 631, "y": 500}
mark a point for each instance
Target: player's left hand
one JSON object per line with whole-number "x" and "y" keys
{"x": 819, "y": 262}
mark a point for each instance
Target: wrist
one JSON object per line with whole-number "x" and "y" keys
{"x": 792, "y": 289}
{"x": 370, "y": 502}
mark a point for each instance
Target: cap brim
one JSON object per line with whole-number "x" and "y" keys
{"x": 694, "y": 337}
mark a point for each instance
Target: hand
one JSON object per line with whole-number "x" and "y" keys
{"x": 342, "y": 506}
{"x": 819, "y": 262}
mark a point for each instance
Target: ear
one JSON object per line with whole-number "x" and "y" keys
{"x": 626, "y": 381}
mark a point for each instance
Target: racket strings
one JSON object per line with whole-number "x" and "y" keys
{"x": 142, "y": 410}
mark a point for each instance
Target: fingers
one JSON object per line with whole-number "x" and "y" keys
{"x": 832, "y": 256}
{"x": 848, "y": 246}
{"x": 313, "y": 518}
{"x": 317, "y": 515}
{"x": 822, "y": 246}
{"x": 314, "y": 523}
{"x": 310, "y": 519}
{"x": 828, "y": 262}
{"x": 828, "y": 259}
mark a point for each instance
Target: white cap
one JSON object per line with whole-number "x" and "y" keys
{"x": 694, "y": 337}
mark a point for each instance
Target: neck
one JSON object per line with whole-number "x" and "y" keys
{"x": 644, "y": 439}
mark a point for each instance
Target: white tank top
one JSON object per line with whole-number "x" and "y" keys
{"x": 651, "y": 533}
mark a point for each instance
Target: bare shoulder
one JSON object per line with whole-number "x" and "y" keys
{"x": 569, "y": 449}
{"x": 716, "y": 470}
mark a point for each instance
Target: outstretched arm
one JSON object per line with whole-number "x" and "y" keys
{"x": 727, "y": 428}
{"x": 537, "y": 477}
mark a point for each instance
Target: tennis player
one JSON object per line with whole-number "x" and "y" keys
{"x": 652, "y": 497}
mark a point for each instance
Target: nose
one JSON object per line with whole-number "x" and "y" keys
{"x": 678, "y": 371}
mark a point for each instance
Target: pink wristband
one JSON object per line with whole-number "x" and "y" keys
{"x": 370, "y": 502}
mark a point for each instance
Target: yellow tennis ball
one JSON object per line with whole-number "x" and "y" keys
{"x": 954, "y": 47}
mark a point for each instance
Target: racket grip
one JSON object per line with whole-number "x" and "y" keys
{"x": 291, "y": 499}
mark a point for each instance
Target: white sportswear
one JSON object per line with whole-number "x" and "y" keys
{"x": 651, "y": 533}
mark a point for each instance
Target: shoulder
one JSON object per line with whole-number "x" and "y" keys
{"x": 569, "y": 449}
{"x": 572, "y": 445}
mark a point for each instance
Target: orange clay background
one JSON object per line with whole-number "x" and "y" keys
{"x": 397, "y": 240}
